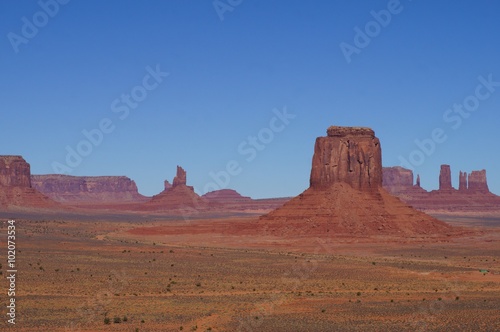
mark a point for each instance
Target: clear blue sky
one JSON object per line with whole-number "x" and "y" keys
{"x": 226, "y": 76}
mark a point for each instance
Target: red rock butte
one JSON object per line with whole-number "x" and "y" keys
{"x": 87, "y": 189}
{"x": 472, "y": 196}
{"x": 177, "y": 196}
{"x": 349, "y": 155}
{"x": 346, "y": 197}
{"x": 15, "y": 185}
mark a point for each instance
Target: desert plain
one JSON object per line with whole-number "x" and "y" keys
{"x": 227, "y": 273}
{"x": 344, "y": 255}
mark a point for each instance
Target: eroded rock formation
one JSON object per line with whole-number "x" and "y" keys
{"x": 167, "y": 185}
{"x": 346, "y": 195}
{"x": 349, "y": 155}
{"x": 462, "y": 181}
{"x": 178, "y": 197}
{"x": 180, "y": 177}
{"x": 15, "y": 185}
{"x": 226, "y": 196}
{"x": 88, "y": 189}
{"x": 397, "y": 179}
{"x": 478, "y": 182}
{"x": 445, "y": 178}
{"x": 472, "y": 196}
{"x": 14, "y": 172}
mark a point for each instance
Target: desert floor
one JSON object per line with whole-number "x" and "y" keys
{"x": 226, "y": 274}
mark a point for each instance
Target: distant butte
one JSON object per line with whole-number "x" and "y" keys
{"x": 472, "y": 197}
{"x": 346, "y": 197}
{"x": 15, "y": 186}
{"x": 87, "y": 189}
{"x": 179, "y": 196}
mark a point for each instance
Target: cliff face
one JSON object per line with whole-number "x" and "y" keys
{"x": 445, "y": 178}
{"x": 180, "y": 177}
{"x": 350, "y": 155}
{"x": 14, "y": 172}
{"x": 346, "y": 194}
{"x": 15, "y": 185}
{"x": 472, "y": 196}
{"x": 478, "y": 182}
{"x": 396, "y": 179}
{"x": 87, "y": 189}
{"x": 462, "y": 181}
{"x": 178, "y": 197}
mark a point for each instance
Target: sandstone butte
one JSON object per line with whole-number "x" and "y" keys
{"x": 472, "y": 197}
{"x": 178, "y": 196}
{"x": 345, "y": 196}
{"x": 20, "y": 189}
{"x": 15, "y": 186}
{"x": 87, "y": 189}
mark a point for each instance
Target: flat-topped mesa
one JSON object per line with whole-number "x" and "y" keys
{"x": 337, "y": 131}
{"x": 14, "y": 172}
{"x": 478, "y": 182}
{"x": 397, "y": 179}
{"x": 87, "y": 189}
{"x": 346, "y": 194}
{"x": 350, "y": 155}
{"x": 445, "y": 178}
{"x": 180, "y": 177}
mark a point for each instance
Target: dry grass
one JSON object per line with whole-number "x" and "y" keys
{"x": 74, "y": 274}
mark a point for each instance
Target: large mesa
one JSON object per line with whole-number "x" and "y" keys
{"x": 346, "y": 197}
{"x": 15, "y": 185}
{"x": 349, "y": 155}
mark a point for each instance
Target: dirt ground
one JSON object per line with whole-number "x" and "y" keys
{"x": 228, "y": 274}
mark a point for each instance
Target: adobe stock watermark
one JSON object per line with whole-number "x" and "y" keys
{"x": 250, "y": 148}
{"x": 30, "y": 27}
{"x": 363, "y": 37}
{"x": 98, "y": 306}
{"x": 223, "y": 6}
{"x": 121, "y": 107}
{"x": 429, "y": 311}
{"x": 453, "y": 116}
{"x": 294, "y": 278}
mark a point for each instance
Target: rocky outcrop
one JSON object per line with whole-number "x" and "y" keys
{"x": 179, "y": 197}
{"x": 14, "y": 172}
{"x": 478, "y": 182}
{"x": 180, "y": 177}
{"x": 397, "y": 179}
{"x": 462, "y": 181}
{"x": 346, "y": 195}
{"x": 88, "y": 189}
{"x": 167, "y": 185}
{"x": 226, "y": 197}
{"x": 472, "y": 196}
{"x": 15, "y": 186}
{"x": 445, "y": 178}
{"x": 350, "y": 155}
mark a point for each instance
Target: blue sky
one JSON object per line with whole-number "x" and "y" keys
{"x": 232, "y": 67}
